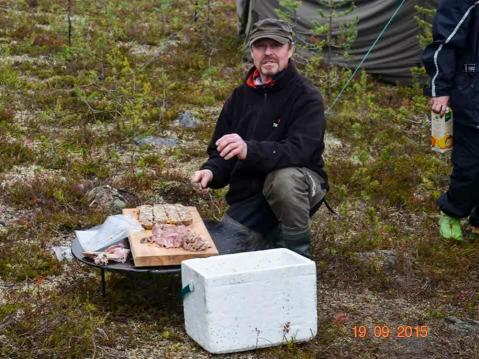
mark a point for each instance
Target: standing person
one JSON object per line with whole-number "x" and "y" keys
{"x": 268, "y": 144}
{"x": 452, "y": 62}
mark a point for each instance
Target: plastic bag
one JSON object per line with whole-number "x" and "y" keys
{"x": 114, "y": 229}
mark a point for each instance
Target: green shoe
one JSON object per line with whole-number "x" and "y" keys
{"x": 450, "y": 228}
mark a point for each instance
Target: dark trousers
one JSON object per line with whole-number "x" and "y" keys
{"x": 288, "y": 196}
{"x": 463, "y": 193}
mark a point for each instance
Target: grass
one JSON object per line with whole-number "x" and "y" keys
{"x": 74, "y": 113}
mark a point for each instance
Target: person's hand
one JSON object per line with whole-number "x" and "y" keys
{"x": 232, "y": 145}
{"x": 439, "y": 104}
{"x": 201, "y": 179}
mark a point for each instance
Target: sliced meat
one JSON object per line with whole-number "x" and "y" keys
{"x": 176, "y": 236}
{"x": 167, "y": 235}
{"x": 172, "y": 214}
{"x": 159, "y": 214}
{"x": 184, "y": 214}
{"x": 146, "y": 216}
{"x": 195, "y": 242}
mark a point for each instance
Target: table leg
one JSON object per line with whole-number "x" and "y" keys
{"x": 103, "y": 284}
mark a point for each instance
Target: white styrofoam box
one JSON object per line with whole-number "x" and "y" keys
{"x": 250, "y": 300}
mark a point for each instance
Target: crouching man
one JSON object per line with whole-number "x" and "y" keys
{"x": 268, "y": 144}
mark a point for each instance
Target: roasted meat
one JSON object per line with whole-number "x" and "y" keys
{"x": 165, "y": 214}
{"x": 168, "y": 235}
{"x": 176, "y": 236}
{"x": 146, "y": 216}
{"x": 195, "y": 242}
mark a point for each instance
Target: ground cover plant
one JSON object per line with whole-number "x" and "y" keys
{"x": 76, "y": 118}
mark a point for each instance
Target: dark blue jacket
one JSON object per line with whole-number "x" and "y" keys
{"x": 283, "y": 126}
{"x": 455, "y": 45}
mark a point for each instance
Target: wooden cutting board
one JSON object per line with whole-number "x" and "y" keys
{"x": 149, "y": 255}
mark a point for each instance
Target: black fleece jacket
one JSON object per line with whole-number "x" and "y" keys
{"x": 283, "y": 126}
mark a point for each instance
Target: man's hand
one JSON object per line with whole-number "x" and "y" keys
{"x": 232, "y": 145}
{"x": 201, "y": 179}
{"x": 439, "y": 104}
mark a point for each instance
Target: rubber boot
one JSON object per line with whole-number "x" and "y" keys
{"x": 474, "y": 220}
{"x": 298, "y": 241}
{"x": 474, "y": 217}
{"x": 450, "y": 228}
{"x": 273, "y": 238}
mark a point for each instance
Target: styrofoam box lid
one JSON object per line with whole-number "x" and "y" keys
{"x": 227, "y": 264}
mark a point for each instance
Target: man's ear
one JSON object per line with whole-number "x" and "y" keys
{"x": 291, "y": 50}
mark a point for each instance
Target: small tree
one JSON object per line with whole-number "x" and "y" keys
{"x": 206, "y": 6}
{"x": 424, "y": 19}
{"x": 287, "y": 10}
{"x": 424, "y": 23}
{"x": 329, "y": 32}
{"x": 340, "y": 36}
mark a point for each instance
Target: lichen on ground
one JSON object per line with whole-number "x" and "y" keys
{"x": 72, "y": 118}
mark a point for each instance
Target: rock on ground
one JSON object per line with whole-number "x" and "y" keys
{"x": 106, "y": 198}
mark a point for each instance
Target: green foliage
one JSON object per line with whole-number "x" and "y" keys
{"x": 48, "y": 193}
{"x": 424, "y": 23}
{"x": 6, "y": 116}
{"x": 333, "y": 29}
{"x": 424, "y": 20}
{"x": 287, "y": 10}
{"x": 328, "y": 332}
{"x": 54, "y": 325}
{"x": 9, "y": 77}
{"x": 20, "y": 261}
{"x": 12, "y": 154}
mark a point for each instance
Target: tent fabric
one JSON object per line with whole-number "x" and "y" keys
{"x": 394, "y": 55}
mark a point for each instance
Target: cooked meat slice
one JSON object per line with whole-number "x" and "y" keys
{"x": 195, "y": 242}
{"x": 146, "y": 216}
{"x": 167, "y": 235}
{"x": 172, "y": 214}
{"x": 184, "y": 214}
{"x": 176, "y": 236}
{"x": 159, "y": 214}
{"x": 164, "y": 213}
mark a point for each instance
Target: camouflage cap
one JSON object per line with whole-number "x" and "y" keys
{"x": 270, "y": 28}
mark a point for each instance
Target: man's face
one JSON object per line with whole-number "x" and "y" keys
{"x": 270, "y": 56}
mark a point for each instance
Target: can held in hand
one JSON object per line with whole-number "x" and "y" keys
{"x": 442, "y": 139}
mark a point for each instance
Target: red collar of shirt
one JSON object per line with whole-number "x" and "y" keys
{"x": 250, "y": 81}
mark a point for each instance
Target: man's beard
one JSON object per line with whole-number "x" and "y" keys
{"x": 269, "y": 67}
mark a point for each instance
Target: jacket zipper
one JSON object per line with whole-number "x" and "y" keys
{"x": 265, "y": 98}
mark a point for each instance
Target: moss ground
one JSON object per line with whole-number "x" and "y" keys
{"x": 69, "y": 116}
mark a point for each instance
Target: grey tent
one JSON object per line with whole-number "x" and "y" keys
{"x": 393, "y": 57}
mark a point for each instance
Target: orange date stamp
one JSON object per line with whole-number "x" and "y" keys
{"x": 386, "y": 331}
